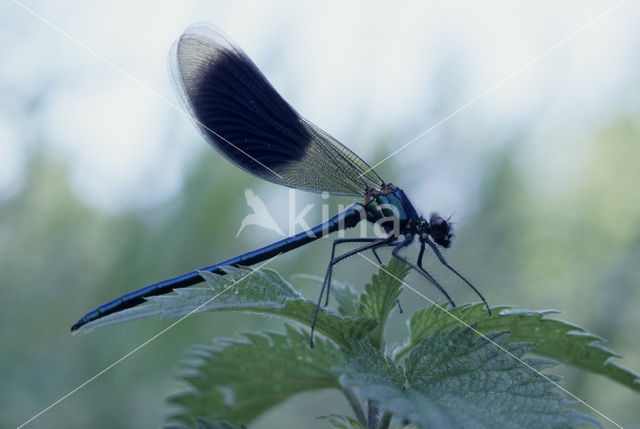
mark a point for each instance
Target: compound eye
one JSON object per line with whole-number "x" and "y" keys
{"x": 440, "y": 231}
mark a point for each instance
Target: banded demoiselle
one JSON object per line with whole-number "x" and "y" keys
{"x": 243, "y": 117}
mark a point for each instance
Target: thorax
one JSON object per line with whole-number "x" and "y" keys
{"x": 391, "y": 208}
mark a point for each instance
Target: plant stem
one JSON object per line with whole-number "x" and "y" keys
{"x": 385, "y": 421}
{"x": 374, "y": 414}
{"x": 355, "y": 405}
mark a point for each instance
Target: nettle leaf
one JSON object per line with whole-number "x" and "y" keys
{"x": 553, "y": 338}
{"x": 345, "y": 296}
{"x": 346, "y": 422}
{"x": 380, "y": 296}
{"x": 488, "y": 387}
{"x": 460, "y": 380}
{"x": 242, "y": 289}
{"x": 342, "y": 422}
{"x": 374, "y": 376}
{"x": 235, "y": 381}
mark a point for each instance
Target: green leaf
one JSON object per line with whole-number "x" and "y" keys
{"x": 488, "y": 387}
{"x": 347, "y": 299}
{"x": 460, "y": 380}
{"x": 235, "y": 381}
{"x": 346, "y": 422}
{"x": 344, "y": 295}
{"x": 373, "y": 376}
{"x": 555, "y": 339}
{"x": 380, "y": 296}
{"x": 342, "y": 422}
{"x": 242, "y": 289}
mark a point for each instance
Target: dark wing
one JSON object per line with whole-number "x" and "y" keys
{"x": 244, "y": 118}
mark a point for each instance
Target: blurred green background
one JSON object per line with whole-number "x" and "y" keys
{"x": 104, "y": 188}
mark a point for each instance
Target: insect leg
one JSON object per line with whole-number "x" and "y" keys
{"x": 334, "y": 260}
{"x": 420, "y": 270}
{"x": 446, "y": 264}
